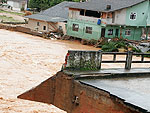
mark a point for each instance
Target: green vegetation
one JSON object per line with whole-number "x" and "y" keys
{"x": 148, "y": 56}
{"x": 115, "y": 45}
{"x": 44, "y": 4}
{"x": 4, "y": 1}
{"x": 7, "y": 19}
{"x": 134, "y": 49}
{"x": 15, "y": 13}
{"x": 110, "y": 47}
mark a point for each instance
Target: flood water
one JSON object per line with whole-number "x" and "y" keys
{"x": 25, "y": 62}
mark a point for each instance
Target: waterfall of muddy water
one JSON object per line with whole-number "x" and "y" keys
{"x": 26, "y": 61}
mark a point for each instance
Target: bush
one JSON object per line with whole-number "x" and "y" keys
{"x": 136, "y": 50}
{"x": 113, "y": 45}
{"x": 120, "y": 44}
{"x": 109, "y": 47}
{"x": 148, "y": 56}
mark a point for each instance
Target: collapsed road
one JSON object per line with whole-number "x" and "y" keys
{"x": 82, "y": 86}
{"x": 25, "y": 61}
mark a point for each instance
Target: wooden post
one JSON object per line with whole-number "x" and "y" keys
{"x": 100, "y": 58}
{"x": 128, "y": 60}
{"x": 146, "y": 33}
{"x": 114, "y": 58}
{"x": 142, "y": 58}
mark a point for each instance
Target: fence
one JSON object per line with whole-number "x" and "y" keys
{"x": 92, "y": 60}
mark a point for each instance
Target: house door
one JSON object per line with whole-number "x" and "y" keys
{"x": 103, "y": 32}
{"x": 117, "y": 33}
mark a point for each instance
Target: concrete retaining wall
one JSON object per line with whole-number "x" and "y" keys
{"x": 83, "y": 60}
{"x": 72, "y": 96}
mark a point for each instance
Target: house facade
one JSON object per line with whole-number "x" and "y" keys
{"x": 112, "y": 18}
{"x": 17, "y": 5}
{"x": 46, "y": 26}
{"x": 50, "y": 20}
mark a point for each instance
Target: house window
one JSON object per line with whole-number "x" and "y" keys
{"x": 109, "y": 15}
{"x": 38, "y": 23}
{"x": 75, "y": 27}
{"x": 110, "y": 31}
{"x": 60, "y": 27}
{"x": 95, "y": 14}
{"x": 44, "y": 27}
{"x": 82, "y": 12}
{"x": 89, "y": 30}
{"x": 128, "y": 32}
{"x": 36, "y": 28}
{"x": 133, "y": 16}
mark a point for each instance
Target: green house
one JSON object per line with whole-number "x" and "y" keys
{"x": 129, "y": 19}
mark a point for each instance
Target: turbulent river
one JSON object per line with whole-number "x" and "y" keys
{"x": 26, "y": 61}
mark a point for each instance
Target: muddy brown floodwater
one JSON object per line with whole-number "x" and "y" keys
{"x": 26, "y": 61}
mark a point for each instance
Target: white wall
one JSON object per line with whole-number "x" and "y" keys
{"x": 25, "y": 6}
{"x": 17, "y": 5}
{"x": 50, "y": 26}
{"x": 107, "y": 21}
{"x": 32, "y": 24}
{"x": 120, "y": 17}
{"x": 10, "y": 3}
{"x": 76, "y": 15}
{"x": 73, "y": 14}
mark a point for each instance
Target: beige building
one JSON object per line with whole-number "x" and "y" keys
{"x": 52, "y": 19}
{"x": 46, "y": 26}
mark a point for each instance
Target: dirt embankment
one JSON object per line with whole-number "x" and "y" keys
{"x": 15, "y": 17}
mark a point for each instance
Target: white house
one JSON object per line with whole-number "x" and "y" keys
{"x": 51, "y": 19}
{"x": 17, "y": 5}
